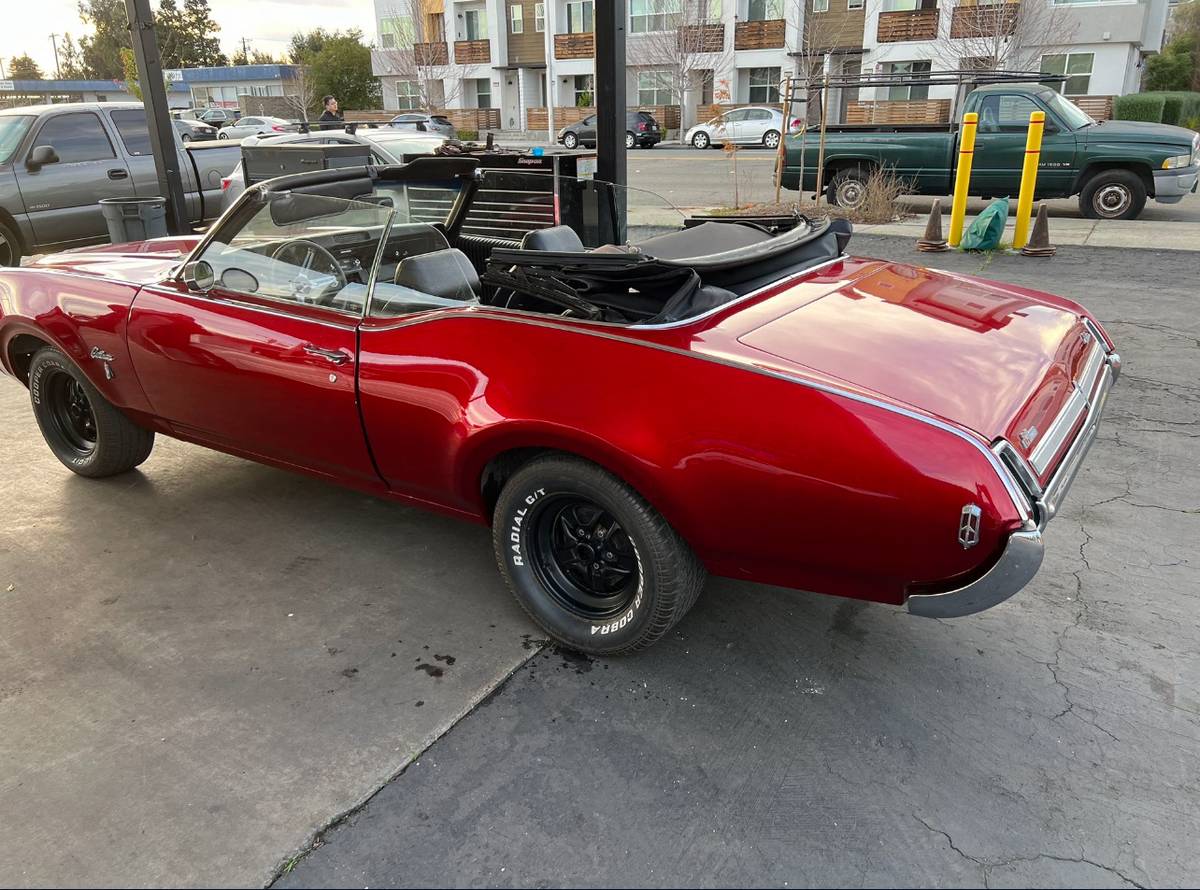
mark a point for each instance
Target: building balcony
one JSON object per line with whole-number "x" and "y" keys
{"x": 767, "y": 34}
{"x": 987, "y": 20}
{"x": 707, "y": 38}
{"x": 905, "y": 25}
{"x": 575, "y": 46}
{"x": 429, "y": 54}
{"x": 899, "y": 111}
{"x": 473, "y": 52}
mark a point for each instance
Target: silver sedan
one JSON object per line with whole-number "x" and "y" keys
{"x": 255, "y": 126}
{"x": 758, "y": 125}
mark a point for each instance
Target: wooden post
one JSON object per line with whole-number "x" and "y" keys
{"x": 781, "y": 154}
{"x": 821, "y": 141}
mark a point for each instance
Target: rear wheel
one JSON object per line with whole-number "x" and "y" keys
{"x": 185, "y": 138}
{"x": 10, "y": 246}
{"x": 222, "y": 135}
{"x": 848, "y": 188}
{"x": 592, "y": 563}
{"x": 1113, "y": 194}
{"x": 570, "y": 140}
{"x": 85, "y": 432}
{"x": 771, "y": 139}
{"x": 630, "y": 140}
{"x": 701, "y": 140}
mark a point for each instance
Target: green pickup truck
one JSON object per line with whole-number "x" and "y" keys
{"x": 1114, "y": 166}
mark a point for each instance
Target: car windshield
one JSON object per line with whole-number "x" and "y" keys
{"x": 12, "y": 131}
{"x": 1070, "y": 113}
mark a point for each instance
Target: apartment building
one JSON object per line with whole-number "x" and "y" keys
{"x": 503, "y": 62}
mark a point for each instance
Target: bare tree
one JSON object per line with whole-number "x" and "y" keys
{"x": 822, "y": 35}
{"x": 695, "y": 45}
{"x": 300, "y": 96}
{"x": 1007, "y": 36}
{"x": 422, "y": 55}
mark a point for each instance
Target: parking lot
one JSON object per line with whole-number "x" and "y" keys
{"x": 206, "y": 663}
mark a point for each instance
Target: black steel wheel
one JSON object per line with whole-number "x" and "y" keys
{"x": 85, "y": 431}
{"x": 1113, "y": 194}
{"x": 592, "y": 563}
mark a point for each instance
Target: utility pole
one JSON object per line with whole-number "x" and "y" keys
{"x": 548, "y": 24}
{"x": 245, "y": 52}
{"x": 611, "y": 163}
{"x": 158, "y": 118}
{"x": 57, "y": 70}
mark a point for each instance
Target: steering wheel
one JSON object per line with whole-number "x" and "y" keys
{"x": 320, "y": 273}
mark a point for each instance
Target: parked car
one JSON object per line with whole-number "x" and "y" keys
{"x": 869, "y": 429}
{"x": 641, "y": 130}
{"x": 1113, "y": 166}
{"x": 741, "y": 126}
{"x": 255, "y": 126}
{"x": 194, "y": 131}
{"x": 58, "y": 161}
{"x": 215, "y": 117}
{"x": 387, "y": 147}
{"x": 425, "y": 123}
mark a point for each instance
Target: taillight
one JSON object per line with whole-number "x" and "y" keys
{"x": 641, "y": 126}
{"x": 278, "y": 128}
{"x": 226, "y": 182}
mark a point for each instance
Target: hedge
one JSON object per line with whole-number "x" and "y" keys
{"x": 1175, "y": 108}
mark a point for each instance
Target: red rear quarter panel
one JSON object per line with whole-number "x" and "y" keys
{"x": 767, "y": 479}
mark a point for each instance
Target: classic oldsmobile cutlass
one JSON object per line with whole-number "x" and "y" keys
{"x": 718, "y": 399}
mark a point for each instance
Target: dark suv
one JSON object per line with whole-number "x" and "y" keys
{"x": 641, "y": 129}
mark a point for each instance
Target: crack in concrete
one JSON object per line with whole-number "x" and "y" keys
{"x": 1158, "y": 328}
{"x": 987, "y": 865}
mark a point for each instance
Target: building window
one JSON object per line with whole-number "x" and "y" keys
{"x": 654, "y": 88}
{"x": 396, "y": 31}
{"x": 579, "y": 17}
{"x": 408, "y": 95}
{"x": 1077, "y": 67}
{"x": 706, "y": 87}
{"x": 854, "y": 4}
{"x": 483, "y": 92}
{"x": 474, "y": 25}
{"x": 764, "y": 10}
{"x": 584, "y": 90}
{"x": 908, "y": 92}
{"x": 539, "y": 17}
{"x": 646, "y": 16}
{"x": 820, "y": 5}
{"x": 516, "y": 21}
{"x": 764, "y": 85}
{"x": 387, "y": 40}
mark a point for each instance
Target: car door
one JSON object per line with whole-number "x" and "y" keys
{"x": 729, "y": 126}
{"x": 134, "y": 136}
{"x": 751, "y": 130}
{"x": 1000, "y": 148}
{"x": 60, "y": 198}
{"x": 251, "y": 361}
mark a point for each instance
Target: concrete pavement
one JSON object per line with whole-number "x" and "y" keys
{"x": 778, "y": 738}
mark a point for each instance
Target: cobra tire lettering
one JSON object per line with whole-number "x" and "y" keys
{"x": 618, "y": 623}
{"x": 518, "y": 520}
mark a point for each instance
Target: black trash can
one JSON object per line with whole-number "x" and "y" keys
{"x": 134, "y": 219}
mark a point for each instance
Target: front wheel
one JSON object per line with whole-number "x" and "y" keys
{"x": 571, "y": 140}
{"x": 630, "y": 141}
{"x": 771, "y": 139}
{"x": 86, "y": 433}
{"x": 1113, "y": 194}
{"x": 10, "y": 247}
{"x": 592, "y": 563}
{"x": 701, "y": 140}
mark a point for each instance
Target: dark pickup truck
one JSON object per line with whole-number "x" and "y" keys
{"x": 1113, "y": 166}
{"x": 58, "y": 161}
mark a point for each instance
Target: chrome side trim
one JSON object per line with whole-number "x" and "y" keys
{"x": 1016, "y": 567}
{"x": 1056, "y": 489}
{"x": 1059, "y": 430}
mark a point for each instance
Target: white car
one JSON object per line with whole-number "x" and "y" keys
{"x": 742, "y": 126}
{"x": 255, "y": 126}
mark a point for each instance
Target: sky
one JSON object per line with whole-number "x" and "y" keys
{"x": 266, "y": 24}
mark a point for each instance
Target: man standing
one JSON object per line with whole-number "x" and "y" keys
{"x": 331, "y": 118}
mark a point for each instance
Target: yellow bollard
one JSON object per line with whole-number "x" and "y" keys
{"x": 962, "y": 178}
{"x": 1033, "y": 151}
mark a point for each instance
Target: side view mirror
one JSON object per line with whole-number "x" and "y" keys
{"x": 199, "y": 276}
{"x": 40, "y": 157}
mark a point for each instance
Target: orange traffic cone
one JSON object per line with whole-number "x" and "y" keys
{"x": 933, "y": 242}
{"x": 1039, "y": 239}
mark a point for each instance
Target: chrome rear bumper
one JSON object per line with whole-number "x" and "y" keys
{"x": 1023, "y": 552}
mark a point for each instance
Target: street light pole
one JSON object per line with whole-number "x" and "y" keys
{"x": 57, "y": 70}
{"x": 158, "y": 118}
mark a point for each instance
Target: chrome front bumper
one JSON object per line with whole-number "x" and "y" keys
{"x": 1023, "y": 552}
{"x": 1170, "y": 186}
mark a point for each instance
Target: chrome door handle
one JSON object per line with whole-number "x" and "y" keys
{"x": 118, "y": 173}
{"x": 333, "y": 355}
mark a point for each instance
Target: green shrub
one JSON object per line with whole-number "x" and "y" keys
{"x": 1139, "y": 107}
{"x": 468, "y": 135}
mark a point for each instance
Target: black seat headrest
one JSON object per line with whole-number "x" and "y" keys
{"x": 561, "y": 239}
{"x": 444, "y": 273}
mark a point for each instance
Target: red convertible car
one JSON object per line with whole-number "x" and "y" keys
{"x": 719, "y": 399}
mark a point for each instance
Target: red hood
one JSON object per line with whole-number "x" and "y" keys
{"x": 972, "y": 352}
{"x": 138, "y": 262}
